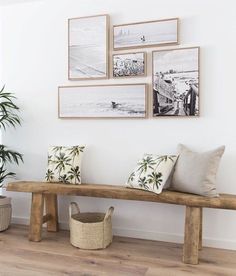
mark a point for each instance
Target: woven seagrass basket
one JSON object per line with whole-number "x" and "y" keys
{"x": 90, "y": 230}
{"x": 5, "y": 213}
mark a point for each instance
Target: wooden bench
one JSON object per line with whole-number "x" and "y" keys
{"x": 42, "y": 191}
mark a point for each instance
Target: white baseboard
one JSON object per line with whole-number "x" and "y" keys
{"x": 149, "y": 235}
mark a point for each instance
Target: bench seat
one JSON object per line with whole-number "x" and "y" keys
{"x": 44, "y": 191}
{"x": 224, "y": 201}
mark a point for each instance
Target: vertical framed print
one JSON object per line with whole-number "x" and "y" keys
{"x": 88, "y": 42}
{"x": 175, "y": 82}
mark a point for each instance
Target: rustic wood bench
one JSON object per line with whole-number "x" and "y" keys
{"x": 42, "y": 191}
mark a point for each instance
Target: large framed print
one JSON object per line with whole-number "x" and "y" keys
{"x": 176, "y": 82}
{"x": 103, "y": 101}
{"x": 88, "y": 47}
{"x": 129, "y": 65}
{"x": 146, "y": 34}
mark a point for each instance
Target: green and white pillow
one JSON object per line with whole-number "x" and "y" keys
{"x": 152, "y": 172}
{"x": 64, "y": 164}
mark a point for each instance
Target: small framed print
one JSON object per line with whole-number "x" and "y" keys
{"x": 176, "y": 82}
{"x": 129, "y": 65}
{"x": 88, "y": 47}
{"x": 146, "y": 34}
{"x": 103, "y": 101}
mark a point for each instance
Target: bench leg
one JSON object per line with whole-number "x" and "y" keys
{"x": 191, "y": 237}
{"x": 36, "y": 217}
{"x": 200, "y": 230}
{"x": 52, "y": 210}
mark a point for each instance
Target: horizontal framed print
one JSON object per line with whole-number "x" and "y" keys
{"x": 103, "y": 101}
{"x": 176, "y": 82}
{"x": 145, "y": 34}
{"x": 129, "y": 65}
{"x": 88, "y": 47}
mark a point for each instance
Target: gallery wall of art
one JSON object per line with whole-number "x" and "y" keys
{"x": 34, "y": 63}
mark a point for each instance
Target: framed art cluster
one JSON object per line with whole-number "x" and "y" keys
{"x": 175, "y": 72}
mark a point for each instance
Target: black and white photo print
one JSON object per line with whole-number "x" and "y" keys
{"x": 129, "y": 65}
{"x": 102, "y": 101}
{"x": 145, "y": 34}
{"x": 88, "y": 47}
{"x": 176, "y": 82}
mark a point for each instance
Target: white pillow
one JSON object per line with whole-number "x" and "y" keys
{"x": 152, "y": 172}
{"x": 64, "y": 164}
{"x": 196, "y": 172}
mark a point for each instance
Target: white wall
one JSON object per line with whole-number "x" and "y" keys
{"x": 34, "y": 62}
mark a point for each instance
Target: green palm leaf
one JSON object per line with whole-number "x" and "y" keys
{"x": 8, "y": 118}
{"x": 9, "y": 156}
{"x": 49, "y": 175}
{"x": 146, "y": 163}
{"x": 131, "y": 177}
{"x": 61, "y": 161}
{"x": 155, "y": 178}
{"x": 74, "y": 174}
{"x": 57, "y": 149}
{"x": 64, "y": 178}
{"x": 143, "y": 183}
{"x": 75, "y": 151}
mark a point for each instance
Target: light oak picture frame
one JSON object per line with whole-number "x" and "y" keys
{"x": 115, "y": 101}
{"x": 88, "y": 47}
{"x": 176, "y": 82}
{"x": 146, "y": 34}
{"x": 129, "y": 65}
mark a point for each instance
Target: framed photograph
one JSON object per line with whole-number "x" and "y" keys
{"x": 88, "y": 47}
{"x": 145, "y": 34}
{"x": 129, "y": 65}
{"x": 176, "y": 82}
{"x": 103, "y": 101}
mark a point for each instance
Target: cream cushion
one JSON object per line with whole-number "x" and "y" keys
{"x": 64, "y": 164}
{"x": 152, "y": 172}
{"x": 196, "y": 172}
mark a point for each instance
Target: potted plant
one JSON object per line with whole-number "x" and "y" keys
{"x": 8, "y": 118}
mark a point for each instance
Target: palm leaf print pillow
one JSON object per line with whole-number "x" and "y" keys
{"x": 64, "y": 164}
{"x": 152, "y": 172}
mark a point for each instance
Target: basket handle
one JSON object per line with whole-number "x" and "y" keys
{"x": 109, "y": 213}
{"x": 73, "y": 206}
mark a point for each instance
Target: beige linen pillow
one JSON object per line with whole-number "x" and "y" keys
{"x": 196, "y": 172}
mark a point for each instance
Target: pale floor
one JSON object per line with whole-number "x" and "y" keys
{"x": 55, "y": 256}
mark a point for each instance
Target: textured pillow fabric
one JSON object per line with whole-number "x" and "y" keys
{"x": 152, "y": 172}
{"x": 196, "y": 172}
{"x": 64, "y": 164}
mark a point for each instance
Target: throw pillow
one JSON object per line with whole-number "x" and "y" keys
{"x": 152, "y": 172}
{"x": 196, "y": 172}
{"x": 64, "y": 164}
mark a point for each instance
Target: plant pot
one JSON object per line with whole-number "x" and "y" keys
{"x": 5, "y": 212}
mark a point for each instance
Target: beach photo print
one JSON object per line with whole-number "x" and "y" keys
{"x": 88, "y": 47}
{"x": 103, "y": 101}
{"x": 176, "y": 82}
{"x": 145, "y": 34}
{"x": 129, "y": 65}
